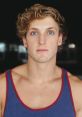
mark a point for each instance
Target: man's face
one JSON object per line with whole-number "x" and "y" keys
{"x": 42, "y": 40}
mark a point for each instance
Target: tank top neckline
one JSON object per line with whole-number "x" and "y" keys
{"x": 43, "y": 108}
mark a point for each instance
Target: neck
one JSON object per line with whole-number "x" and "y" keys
{"x": 40, "y": 72}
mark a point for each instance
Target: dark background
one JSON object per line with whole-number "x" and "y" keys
{"x": 70, "y": 9}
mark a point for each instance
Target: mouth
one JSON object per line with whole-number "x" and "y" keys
{"x": 42, "y": 50}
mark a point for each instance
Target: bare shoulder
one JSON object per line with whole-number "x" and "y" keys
{"x": 76, "y": 88}
{"x": 16, "y": 72}
{"x": 76, "y": 85}
{"x": 19, "y": 71}
{"x": 75, "y": 81}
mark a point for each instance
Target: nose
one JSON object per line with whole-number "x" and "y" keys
{"x": 42, "y": 40}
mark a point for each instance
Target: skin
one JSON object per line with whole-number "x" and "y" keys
{"x": 40, "y": 76}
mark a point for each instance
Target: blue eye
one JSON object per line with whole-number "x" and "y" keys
{"x": 51, "y": 32}
{"x": 33, "y": 33}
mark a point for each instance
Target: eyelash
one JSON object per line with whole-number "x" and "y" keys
{"x": 49, "y": 32}
{"x": 33, "y": 33}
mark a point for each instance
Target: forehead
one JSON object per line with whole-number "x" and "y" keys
{"x": 44, "y": 23}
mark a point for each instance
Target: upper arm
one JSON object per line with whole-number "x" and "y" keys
{"x": 0, "y": 106}
{"x": 79, "y": 114}
{"x": 2, "y": 92}
{"x": 76, "y": 87}
{"x": 0, "y": 99}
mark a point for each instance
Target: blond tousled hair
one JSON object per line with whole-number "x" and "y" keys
{"x": 39, "y": 11}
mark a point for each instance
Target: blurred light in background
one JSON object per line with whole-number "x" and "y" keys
{"x": 71, "y": 46}
{"x": 21, "y": 49}
{"x": 2, "y": 47}
{"x": 13, "y": 47}
{"x": 72, "y": 53}
{"x": 2, "y": 50}
{"x": 22, "y": 53}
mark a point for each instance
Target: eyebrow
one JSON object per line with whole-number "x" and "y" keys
{"x": 47, "y": 28}
{"x": 53, "y": 28}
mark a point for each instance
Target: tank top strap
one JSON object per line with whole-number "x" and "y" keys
{"x": 65, "y": 77}
{"x": 66, "y": 83}
{"x": 67, "y": 92}
{"x": 10, "y": 90}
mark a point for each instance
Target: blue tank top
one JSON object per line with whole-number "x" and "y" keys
{"x": 62, "y": 107}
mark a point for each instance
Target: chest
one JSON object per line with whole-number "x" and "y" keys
{"x": 50, "y": 98}
{"x": 47, "y": 99}
{"x": 39, "y": 96}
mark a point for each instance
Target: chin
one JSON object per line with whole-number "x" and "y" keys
{"x": 43, "y": 60}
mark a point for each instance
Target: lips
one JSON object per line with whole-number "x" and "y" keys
{"x": 38, "y": 50}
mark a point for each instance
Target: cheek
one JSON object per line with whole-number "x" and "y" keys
{"x": 53, "y": 49}
{"x": 54, "y": 44}
{"x": 31, "y": 48}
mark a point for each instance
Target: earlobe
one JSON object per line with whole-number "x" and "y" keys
{"x": 60, "y": 41}
{"x": 25, "y": 42}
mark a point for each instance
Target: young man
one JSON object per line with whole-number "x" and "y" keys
{"x": 40, "y": 88}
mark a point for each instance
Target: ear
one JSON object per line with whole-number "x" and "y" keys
{"x": 24, "y": 42}
{"x": 60, "y": 40}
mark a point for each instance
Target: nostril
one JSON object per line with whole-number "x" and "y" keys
{"x": 42, "y": 41}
